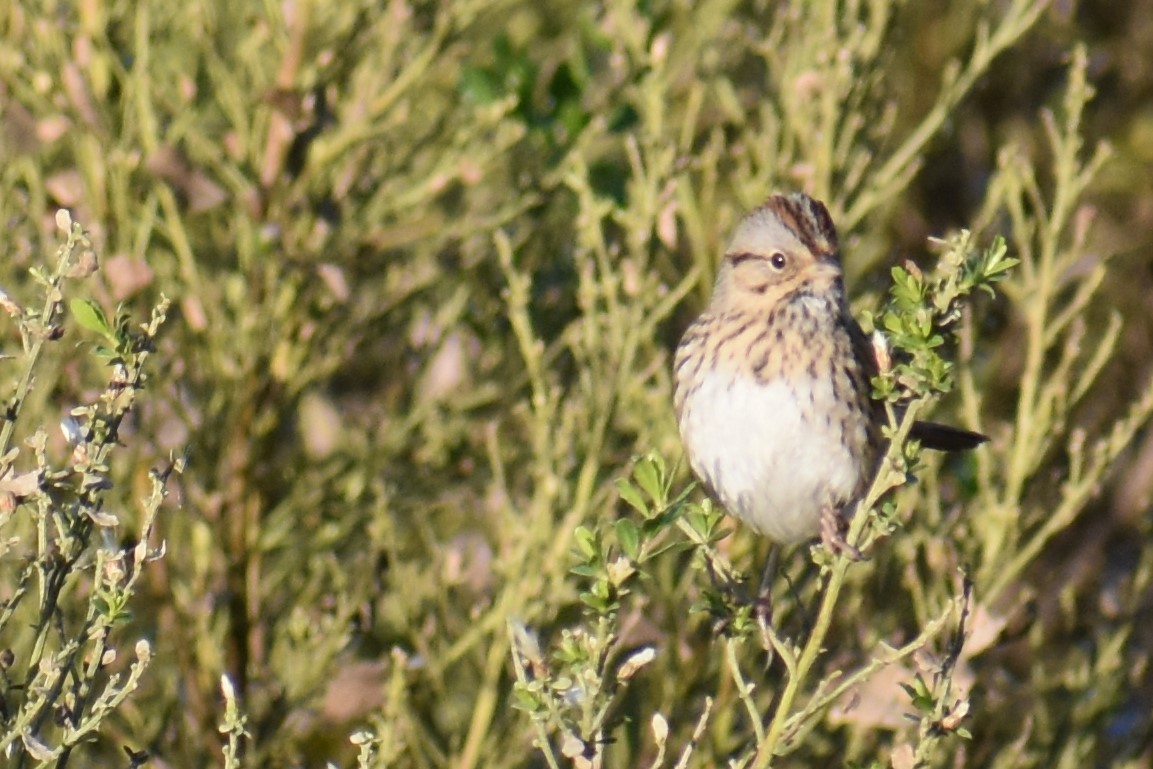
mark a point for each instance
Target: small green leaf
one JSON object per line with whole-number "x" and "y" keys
{"x": 89, "y": 315}
{"x": 702, "y": 522}
{"x": 628, "y": 537}
{"x": 525, "y": 700}
{"x": 480, "y": 85}
{"x": 586, "y": 542}
{"x": 632, "y": 496}
{"x": 666, "y": 518}
{"x": 649, "y": 476}
{"x": 1000, "y": 266}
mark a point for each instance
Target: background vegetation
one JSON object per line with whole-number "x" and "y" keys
{"x": 426, "y": 265}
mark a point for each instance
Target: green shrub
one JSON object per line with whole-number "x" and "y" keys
{"x": 427, "y": 265}
{"x": 71, "y": 564}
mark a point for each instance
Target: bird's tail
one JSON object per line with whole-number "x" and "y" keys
{"x": 944, "y": 438}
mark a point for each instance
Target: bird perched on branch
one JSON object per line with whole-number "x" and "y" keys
{"x": 773, "y": 382}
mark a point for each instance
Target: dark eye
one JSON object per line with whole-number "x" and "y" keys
{"x": 778, "y": 260}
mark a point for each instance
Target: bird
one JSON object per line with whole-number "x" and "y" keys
{"x": 773, "y": 393}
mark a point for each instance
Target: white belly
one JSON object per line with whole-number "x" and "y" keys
{"x": 768, "y": 461}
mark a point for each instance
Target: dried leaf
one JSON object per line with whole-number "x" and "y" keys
{"x": 199, "y": 191}
{"x": 127, "y": 275}
{"x": 193, "y": 312}
{"x": 667, "y": 226}
{"x": 66, "y": 188}
{"x": 903, "y": 757}
{"x": 572, "y": 746}
{"x": 23, "y": 485}
{"x": 660, "y": 728}
{"x": 985, "y": 628}
{"x": 878, "y": 703}
{"x": 335, "y": 280}
{"x": 37, "y": 749}
{"x": 635, "y": 662}
{"x": 104, "y": 519}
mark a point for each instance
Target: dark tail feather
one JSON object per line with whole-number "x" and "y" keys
{"x": 945, "y": 438}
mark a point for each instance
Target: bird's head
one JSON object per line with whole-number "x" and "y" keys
{"x": 787, "y": 244}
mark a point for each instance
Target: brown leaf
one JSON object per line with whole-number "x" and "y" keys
{"x": 127, "y": 275}
{"x": 200, "y": 193}
{"x": 193, "y": 312}
{"x": 23, "y": 485}
{"x": 984, "y": 629}
{"x": 335, "y": 280}
{"x": 878, "y": 703}
{"x": 66, "y": 187}
{"x": 903, "y": 757}
{"x": 355, "y": 690}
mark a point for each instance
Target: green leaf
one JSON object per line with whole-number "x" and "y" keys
{"x": 677, "y": 501}
{"x": 526, "y": 701}
{"x": 629, "y": 538}
{"x": 648, "y": 475}
{"x": 666, "y": 518}
{"x": 479, "y": 85}
{"x": 89, "y": 315}
{"x": 1001, "y": 266}
{"x": 632, "y": 496}
{"x": 702, "y": 523}
{"x": 586, "y": 542}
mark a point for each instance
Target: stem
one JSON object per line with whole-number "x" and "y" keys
{"x": 767, "y": 748}
{"x": 52, "y": 303}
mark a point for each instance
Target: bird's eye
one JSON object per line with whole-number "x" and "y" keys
{"x": 778, "y": 260}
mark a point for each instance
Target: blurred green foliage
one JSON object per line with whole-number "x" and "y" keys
{"x": 427, "y": 262}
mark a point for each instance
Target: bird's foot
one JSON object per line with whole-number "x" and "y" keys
{"x": 833, "y": 535}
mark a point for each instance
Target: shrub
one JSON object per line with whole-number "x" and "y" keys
{"x": 427, "y": 264}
